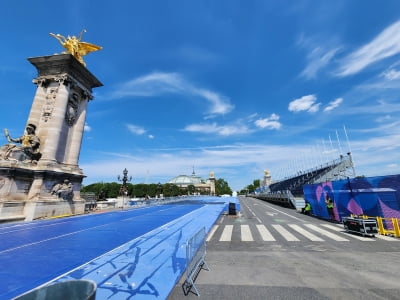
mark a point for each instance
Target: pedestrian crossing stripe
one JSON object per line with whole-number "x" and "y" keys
{"x": 265, "y": 233}
{"x": 246, "y": 233}
{"x": 311, "y": 232}
{"x": 226, "y": 235}
{"x": 326, "y": 233}
{"x": 307, "y": 234}
{"x": 286, "y": 234}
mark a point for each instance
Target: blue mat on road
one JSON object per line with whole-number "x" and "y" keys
{"x": 130, "y": 254}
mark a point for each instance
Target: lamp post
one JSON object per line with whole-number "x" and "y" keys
{"x": 159, "y": 190}
{"x": 123, "y": 191}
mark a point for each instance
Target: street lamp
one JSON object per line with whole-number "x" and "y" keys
{"x": 159, "y": 189}
{"x": 123, "y": 191}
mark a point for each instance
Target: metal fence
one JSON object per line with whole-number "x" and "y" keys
{"x": 195, "y": 260}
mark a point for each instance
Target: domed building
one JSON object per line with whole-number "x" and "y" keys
{"x": 200, "y": 185}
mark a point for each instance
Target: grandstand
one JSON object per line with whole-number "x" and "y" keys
{"x": 289, "y": 191}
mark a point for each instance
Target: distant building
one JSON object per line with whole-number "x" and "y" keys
{"x": 203, "y": 186}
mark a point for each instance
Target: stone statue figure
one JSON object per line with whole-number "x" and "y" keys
{"x": 63, "y": 190}
{"x": 29, "y": 149}
{"x": 75, "y": 46}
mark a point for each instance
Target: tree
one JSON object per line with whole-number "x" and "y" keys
{"x": 109, "y": 190}
{"x": 256, "y": 183}
{"x": 222, "y": 187}
{"x": 191, "y": 189}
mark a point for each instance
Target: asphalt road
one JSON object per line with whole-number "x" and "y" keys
{"x": 271, "y": 252}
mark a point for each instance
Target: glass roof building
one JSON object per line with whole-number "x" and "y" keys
{"x": 204, "y": 185}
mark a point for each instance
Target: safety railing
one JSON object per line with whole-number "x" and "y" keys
{"x": 386, "y": 226}
{"x": 195, "y": 258}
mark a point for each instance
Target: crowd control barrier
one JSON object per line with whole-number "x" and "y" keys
{"x": 195, "y": 258}
{"x": 388, "y": 226}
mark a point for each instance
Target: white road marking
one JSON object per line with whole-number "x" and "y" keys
{"x": 327, "y": 233}
{"x": 306, "y": 233}
{"x": 246, "y": 233}
{"x": 210, "y": 235}
{"x": 286, "y": 234}
{"x": 265, "y": 234}
{"x": 355, "y": 236}
{"x": 226, "y": 235}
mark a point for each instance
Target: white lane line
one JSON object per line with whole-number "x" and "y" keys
{"x": 282, "y": 212}
{"x": 378, "y": 236}
{"x": 226, "y": 235}
{"x": 286, "y": 234}
{"x": 51, "y": 238}
{"x": 327, "y": 233}
{"x": 265, "y": 234}
{"x": 210, "y": 235}
{"x": 246, "y": 233}
{"x": 386, "y": 238}
{"x": 307, "y": 234}
{"x": 354, "y": 236}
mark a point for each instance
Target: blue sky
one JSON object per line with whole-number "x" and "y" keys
{"x": 233, "y": 87}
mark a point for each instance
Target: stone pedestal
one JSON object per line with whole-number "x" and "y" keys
{"x": 34, "y": 189}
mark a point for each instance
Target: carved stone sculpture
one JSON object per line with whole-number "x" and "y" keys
{"x": 27, "y": 151}
{"x": 63, "y": 190}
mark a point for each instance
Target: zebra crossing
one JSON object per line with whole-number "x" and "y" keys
{"x": 288, "y": 232}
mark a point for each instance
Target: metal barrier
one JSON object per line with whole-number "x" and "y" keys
{"x": 388, "y": 226}
{"x": 195, "y": 259}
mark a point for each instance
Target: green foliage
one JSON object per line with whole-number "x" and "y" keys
{"x": 141, "y": 190}
{"x": 256, "y": 183}
{"x": 110, "y": 190}
{"x": 251, "y": 187}
{"x": 171, "y": 190}
{"x": 222, "y": 187}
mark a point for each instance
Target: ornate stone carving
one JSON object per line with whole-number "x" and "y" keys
{"x": 72, "y": 109}
{"x": 63, "y": 190}
{"x": 28, "y": 151}
{"x": 2, "y": 182}
{"x": 49, "y": 104}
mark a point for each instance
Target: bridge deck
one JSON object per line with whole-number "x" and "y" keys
{"x": 130, "y": 254}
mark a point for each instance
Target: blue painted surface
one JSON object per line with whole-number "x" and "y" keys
{"x": 131, "y": 254}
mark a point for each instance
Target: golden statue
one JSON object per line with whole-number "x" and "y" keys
{"x": 75, "y": 46}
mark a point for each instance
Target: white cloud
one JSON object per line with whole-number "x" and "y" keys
{"x": 383, "y": 119}
{"x": 318, "y": 58}
{"x": 242, "y": 161}
{"x": 135, "y": 129}
{"x": 226, "y": 130}
{"x": 386, "y": 44}
{"x": 333, "y": 104}
{"x": 87, "y": 128}
{"x": 159, "y": 83}
{"x": 391, "y": 74}
{"x": 305, "y": 103}
{"x": 272, "y": 122}
{"x": 151, "y": 136}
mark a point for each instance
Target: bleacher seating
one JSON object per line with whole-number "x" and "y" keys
{"x": 331, "y": 171}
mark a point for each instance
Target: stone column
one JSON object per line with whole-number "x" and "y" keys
{"x": 212, "y": 184}
{"x": 53, "y": 128}
{"x": 63, "y": 77}
{"x": 267, "y": 178}
{"x": 37, "y": 106}
{"x": 76, "y": 135}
